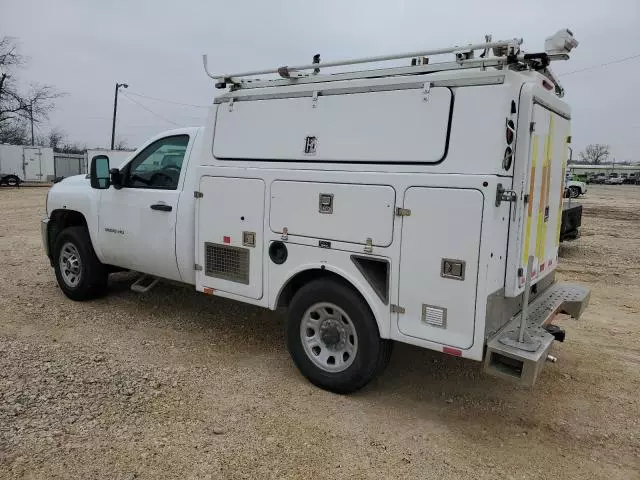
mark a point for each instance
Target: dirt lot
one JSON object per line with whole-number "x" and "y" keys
{"x": 174, "y": 384}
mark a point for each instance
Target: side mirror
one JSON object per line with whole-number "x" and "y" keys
{"x": 116, "y": 178}
{"x": 100, "y": 177}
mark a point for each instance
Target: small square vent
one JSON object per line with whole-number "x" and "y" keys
{"x": 226, "y": 262}
{"x": 436, "y": 316}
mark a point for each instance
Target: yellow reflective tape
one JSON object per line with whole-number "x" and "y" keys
{"x": 545, "y": 210}
{"x": 532, "y": 187}
{"x": 543, "y": 195}
{"x": 562, "y": 180}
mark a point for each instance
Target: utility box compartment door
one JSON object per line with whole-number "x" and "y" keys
{"x": 535, "y": 226}
{"x": 334, "y": 211}
{"x": 394, "y": 126}
{"x": 229, "y": 240}
{"x": 439, "y": 264}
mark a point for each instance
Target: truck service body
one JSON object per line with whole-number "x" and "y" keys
{"x": 414, "y": 204}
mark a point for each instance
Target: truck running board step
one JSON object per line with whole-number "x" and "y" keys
{"x": 522, "y": 366}
{"x": 144, "y": 283}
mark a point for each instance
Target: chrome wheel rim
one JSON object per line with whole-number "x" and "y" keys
{"x": 329, "y": 337}
{"x": 70, "y": 265}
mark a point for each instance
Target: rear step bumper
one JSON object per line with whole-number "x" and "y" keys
{"x": 522, "y": 366}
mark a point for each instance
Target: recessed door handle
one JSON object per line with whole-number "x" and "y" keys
{"x": 162, "y": 207}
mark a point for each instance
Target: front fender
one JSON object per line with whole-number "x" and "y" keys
{"x": 75, "y": 194}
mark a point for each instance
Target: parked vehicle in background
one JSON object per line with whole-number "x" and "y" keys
{"x": 576, "y": 188}
{"x": 11, "y": 165}
{"x": 571, "y": 221}
{"x": 614, "y": 179}
{"x": 280, "y": 200}
{"x": 23, "y": 163}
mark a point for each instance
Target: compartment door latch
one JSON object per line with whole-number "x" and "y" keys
{"x": 397, "y": 309}
{"x": 504, "y": 195}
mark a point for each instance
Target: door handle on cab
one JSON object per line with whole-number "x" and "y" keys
{"x": 162, "y": 207}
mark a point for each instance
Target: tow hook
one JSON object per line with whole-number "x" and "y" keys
{"x": 557, "y": 332}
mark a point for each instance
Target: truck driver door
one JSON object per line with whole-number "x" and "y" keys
{"x": 137, "y": 222}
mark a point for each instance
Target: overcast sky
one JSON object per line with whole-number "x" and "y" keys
{"x": 84, "y": 47}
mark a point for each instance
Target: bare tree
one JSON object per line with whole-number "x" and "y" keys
{"x": 14, "y": 133}
{"x": 595, "y": 154}
{"x": 72, "y": 148}
{"x": 121, "y": 145}
{"x": 55, "y": 138}
{"x": 16, "y": 106}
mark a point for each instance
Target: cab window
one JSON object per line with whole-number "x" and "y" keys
{"x": 158, "y": 166}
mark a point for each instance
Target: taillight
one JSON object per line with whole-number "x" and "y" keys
{"x": 510, "y": 132}
{"x": 547, "y": 85}
{"x": 508, "y": 158}
{"x": 509, "y": 136}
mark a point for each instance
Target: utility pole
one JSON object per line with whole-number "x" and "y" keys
{"x": 33, "y": 141}
{"x": 115, "y": 110}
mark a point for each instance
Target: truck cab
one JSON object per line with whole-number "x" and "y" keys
{"x": 420, "y": 204}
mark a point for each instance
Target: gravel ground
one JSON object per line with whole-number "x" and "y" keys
{"x": 174, "y": 384}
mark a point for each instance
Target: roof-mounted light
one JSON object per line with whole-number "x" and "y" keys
{"x": 560, "y": 43}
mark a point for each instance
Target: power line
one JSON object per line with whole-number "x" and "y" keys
{"x": 151, "y": 111}
{"x": 167, "y": 101}
{"x": 620, "y": 60}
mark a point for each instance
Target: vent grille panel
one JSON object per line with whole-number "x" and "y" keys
{"x": 436, "y": 316}
{"x": 226, "y": 262}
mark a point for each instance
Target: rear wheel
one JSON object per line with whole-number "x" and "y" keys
{"x": 80, "y": 274}
{"x": 574, "y": 192}
{"x": 333, "y": 337}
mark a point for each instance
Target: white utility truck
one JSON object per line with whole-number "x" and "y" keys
{"x": 418, "y": 203}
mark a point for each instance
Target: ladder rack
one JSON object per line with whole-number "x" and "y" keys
{"x": 505, "y": 52}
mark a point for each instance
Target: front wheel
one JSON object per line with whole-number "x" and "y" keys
{"x": 333, "y": 337}
{"x": 80, "y": 274}
{"x": 574, "y": 192}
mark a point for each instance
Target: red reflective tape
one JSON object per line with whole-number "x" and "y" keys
{"x": 207, "y": 291}
{"x": 452, "y": 351}
{"x": 226, "y": 239}
{"x": 542, "y": 267}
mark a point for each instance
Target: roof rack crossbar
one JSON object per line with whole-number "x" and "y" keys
{"x": 514, "y": 43}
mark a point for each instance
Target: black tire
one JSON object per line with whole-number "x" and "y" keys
{"x": 92, "y": 275}
{"x": 12, "y": 181}
{"x": 372, "y": 354}
{"x": 574, "y": 192}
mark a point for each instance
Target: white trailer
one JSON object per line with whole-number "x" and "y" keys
{"x": 11, "y": 165}
{"x": 21, "y": 163}
{"x": 419, "y": 204}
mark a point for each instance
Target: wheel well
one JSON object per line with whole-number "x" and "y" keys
{"x": 302, "y": 278}
{"x": 61, "y": 219}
